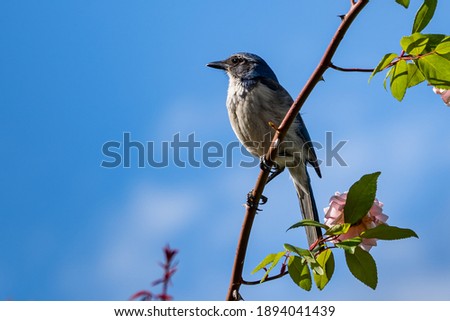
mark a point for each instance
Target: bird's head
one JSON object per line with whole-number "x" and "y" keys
{"x": 245, "y": 66}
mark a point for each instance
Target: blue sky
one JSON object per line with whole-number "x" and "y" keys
{"x": 77, "y": 74}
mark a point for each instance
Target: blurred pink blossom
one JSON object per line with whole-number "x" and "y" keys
{"x": 334, "y": 214}
{"x": 445, "y": 94}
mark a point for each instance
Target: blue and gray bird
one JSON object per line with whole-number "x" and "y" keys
{"x": 256, "y": 99}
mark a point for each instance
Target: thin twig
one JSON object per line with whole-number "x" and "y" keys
{"x": 238, "y": 266}
{"x": 270, "y": 278}
{"x": 333, "y": 66}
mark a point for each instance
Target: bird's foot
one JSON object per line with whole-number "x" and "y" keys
{"x": 275, "y": 169}
{"x": 263, "y": 164}
{"x": 251, "y": 201}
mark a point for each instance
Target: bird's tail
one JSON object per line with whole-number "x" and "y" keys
{"x": 308, "y": 206}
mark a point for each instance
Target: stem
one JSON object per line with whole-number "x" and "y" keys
{"x": 325, "y": 62}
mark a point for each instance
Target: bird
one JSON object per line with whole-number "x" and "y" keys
{"x": 256, "y": 103}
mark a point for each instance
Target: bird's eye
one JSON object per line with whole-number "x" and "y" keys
{"x": 236, "y": 60}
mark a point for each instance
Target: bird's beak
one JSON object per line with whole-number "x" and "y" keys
{"x": 218, "y": 65}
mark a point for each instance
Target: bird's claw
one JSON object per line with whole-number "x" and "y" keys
{"x": 251, "y": 202}
{"x": 274, "y": 170}
{"x": 264, "y": 166}
{"x": 263, "y": 199}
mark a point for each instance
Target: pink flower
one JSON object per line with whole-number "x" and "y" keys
{"x": 334, "y": 214}
{"x": 445, "y": 94}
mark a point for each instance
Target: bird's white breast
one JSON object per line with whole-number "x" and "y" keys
{"x": 250, "y": 110}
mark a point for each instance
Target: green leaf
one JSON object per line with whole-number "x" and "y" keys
{"x": 349, "y": 244}
{"x": 304, "y": 253}
{"x": 326, "y": 260}
{"x": 414, "y": 44}
{"x": 436, "y": 69}
{"x": 434, "y": 39}
{"x": 415, "y": 76}
{"x": 388, "y": 75}
{"x": 385, "y": 61}
{"x": 297, "y": 250}
{"x": 386, "y": 232}
{"x": 362, "y": 265}
{"x": 404, "y": 3}
{"x": 338, "y": 229}
{"x": 424, "y": 15}
{"x": 360, "y": 198}
{"x": 272, "y": 259}
{"x": 317, "y": 268}
{"x": 299, "y": 272}
{"x": 307, "y": 255}
{"x": 399, "y": 80}
{"x": 418, "y": 44}
{"x": 308, "y": 223}
{"x": 443, "y": 47}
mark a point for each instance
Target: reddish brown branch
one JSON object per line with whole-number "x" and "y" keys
{"x": 238, "y": 266}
